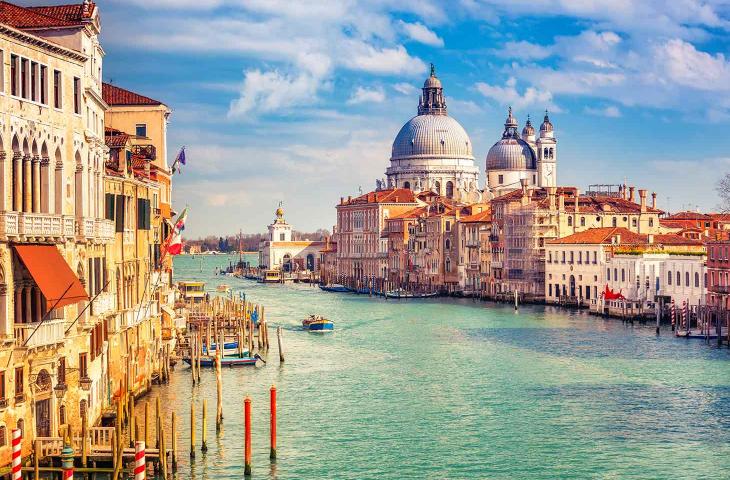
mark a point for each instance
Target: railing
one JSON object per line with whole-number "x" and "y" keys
{"x": 24, "y": 224}
{"x": 719, "y": 289}
{"x": 104, "y": 303}
{"x": 48, "y": 333}
{"x": 104, "y": 230}
{"x": 147, "y": 151}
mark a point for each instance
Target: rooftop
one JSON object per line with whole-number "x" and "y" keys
{"x": 623, "y": 236}
{"x": 114, "y": 95}
{"x": 393, "y": 195}
{"x": 43, "y": 17}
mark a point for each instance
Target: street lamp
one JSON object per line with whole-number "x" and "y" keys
{"x": 60, "y": 390}
{"x": 85, "y": 383}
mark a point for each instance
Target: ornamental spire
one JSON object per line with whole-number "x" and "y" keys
{"x": 432, "y": 100}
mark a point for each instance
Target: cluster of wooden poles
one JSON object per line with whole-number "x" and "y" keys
{"x": 247, "y": 429}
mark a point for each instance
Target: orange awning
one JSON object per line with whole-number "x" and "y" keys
{"x": 52, "y": 274}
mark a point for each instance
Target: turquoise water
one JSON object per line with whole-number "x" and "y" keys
{"x": 460, "y": 389}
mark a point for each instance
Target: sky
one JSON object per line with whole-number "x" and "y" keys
{"x": 299, "y": 101}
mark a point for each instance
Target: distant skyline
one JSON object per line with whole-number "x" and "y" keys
{"x": 299, "y": 101}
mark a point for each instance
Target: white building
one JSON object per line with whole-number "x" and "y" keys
{"x": 639, "y": 267}
{"x": 280, "y": 252}
{"x": 432, "y": 151}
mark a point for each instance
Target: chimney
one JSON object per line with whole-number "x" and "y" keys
{"x": 642, "y": 196}
{"x": 525, "y": 195}
{"x": 561, "y": 202}
{"x": 623, "y": 191}
{"x": 653, "y": 200}
{"x": 631, "y": 194}
{"x": 577, "y": 194}
{"x": 551, "y": 197}
{"x": 349, "y": 198}
{"x": 342, "y": 200}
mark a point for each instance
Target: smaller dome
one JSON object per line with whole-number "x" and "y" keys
{"x": 511, "y": 154}
{"x": 511, "y": 121}
{"x": 529, "y": 130}
{"x": 546, "y": 126}
{"x": 279, "y": 212}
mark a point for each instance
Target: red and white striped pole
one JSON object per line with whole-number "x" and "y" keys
{"x": 674, "y": 315}
{"x": 140, "y": 464}
{"x": 17, "y": 446}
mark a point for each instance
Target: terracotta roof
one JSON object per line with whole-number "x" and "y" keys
{"x": 22, "y": 18}
{"x": 73, "y": 13}
{"x": 689, "y": 215}
{"x": 722, "y": 217}
{"x": 412, "y": 213}
{"x": 115, "y": 138}
{"x": 114, "y": 95}
{"x": 393, "y": 195}
{"x": 485, "y": 216}
{"x": 606, "y": 235}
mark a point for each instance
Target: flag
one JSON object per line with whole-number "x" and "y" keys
{"x": 179, "y": 160}
{"x": 173, "y": 244}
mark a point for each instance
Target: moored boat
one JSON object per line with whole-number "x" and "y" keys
{"x": 334, "y": 287}
{"x": 229, "y": 361}
{"x": 406, "y": 294}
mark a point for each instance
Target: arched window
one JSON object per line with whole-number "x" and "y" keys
{"x": 407, "y": 185}
{"x": 545, "y": 152}
{"x": 570, "y": 221}
{"x": 679, "y": 279}
{"x": 450, "y": 189}
{"x": 552, "y": 152}
{"x": 697, "y": 279}
{"x": 608, "y": 274}
{"x": 582, "y": 221}
{"x": 686, "y": 279}
{"x": 669, "y": 278}
{"x": 623, "y": 275}
{"x": 437, "y": 187}
{"x": 447, "y": 244}
{"x": 613, "y": 222}
{"x": 448, "y": 265}
{"x": 62, "y": 414}
{"x": 615, "y": 274}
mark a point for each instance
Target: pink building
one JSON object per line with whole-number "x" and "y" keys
{"x": 718, "y": 273}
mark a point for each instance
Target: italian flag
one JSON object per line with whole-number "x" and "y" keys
{"x": 174, "y": 244}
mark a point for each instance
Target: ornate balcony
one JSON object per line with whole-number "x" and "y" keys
{"x": 104, "y": 230}
{"x": 50, "y": 332}
{"x": 23, "y": 226}
{"x": 147, "y": 151}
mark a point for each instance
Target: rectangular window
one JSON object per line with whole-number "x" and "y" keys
{"x": 2, "y": 385}
{"x": 109, "y": 206}
{"x": 34, "y": 81}
{"x": 83, "y": 365}
{"x": 77, "y": 95}
{"x": 62, "y": 370}
{"x": 57, "y": 98}
{"x": 500, "y": 179}
{"x": 141, "y": 130}
{"x": 119, "y": 217}
{"x": 44, "y": 85}
{"x": 18, "y": 381}
{"x": 14, "y": 75}
{"x": 24, "y": 78}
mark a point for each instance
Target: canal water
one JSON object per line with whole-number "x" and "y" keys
{"x": 457, "y": 389}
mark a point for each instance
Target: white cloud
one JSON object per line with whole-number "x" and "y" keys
{"x": 394, "y": 61}
{"x": 685, "y": 65}
{"x": 610, "y": 111}
{"x": 271, "y": 91}
{"x": 421, "y": 33}
{"x": 523, "y": 50}
{"x": 510, "y": 95}
{"x": 365, "y": 95}
{"x": 405, "y": 88}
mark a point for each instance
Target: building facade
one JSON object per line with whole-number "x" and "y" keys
{"x": 280, "y": 252}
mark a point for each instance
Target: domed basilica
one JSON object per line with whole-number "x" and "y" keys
{"x": 433, "y": 152}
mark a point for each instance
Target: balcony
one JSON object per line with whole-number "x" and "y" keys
{"x": 719, "y": 289}
{"x": 147, "y": 151}
{"x": 85, "y": 228}
{"x": 24, "y": 226}
{"x": 50, "y": 332}
{"x": 104, "y": 230}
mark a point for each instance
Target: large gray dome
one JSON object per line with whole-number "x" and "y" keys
{"x": 511, "y": 154}
{"x": 432, "y": 136}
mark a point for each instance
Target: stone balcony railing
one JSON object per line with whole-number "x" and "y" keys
{"x": 85, "y": 228}
{"x": 24, "y": 226}
{"x": 104, "y": 230}
{"x": 50, "y": 332}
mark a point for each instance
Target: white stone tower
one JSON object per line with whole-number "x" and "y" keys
{"x": 547, "y": 154}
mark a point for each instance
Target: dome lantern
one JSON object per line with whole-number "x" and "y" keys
{"x": 432, "y": 100}
{"x": 546, "y": 129}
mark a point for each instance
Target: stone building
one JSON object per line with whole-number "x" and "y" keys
{"x": 279, "y": 252}
{"x": 718, "y": 273}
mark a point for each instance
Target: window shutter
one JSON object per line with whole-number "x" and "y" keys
{"x": 140, "y": 214}
{"x": 109, "y": 215}
{"x": 120, "y": 213}
{"x": 148, "y": 212}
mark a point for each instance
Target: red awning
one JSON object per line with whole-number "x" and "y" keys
{"x": 54, "y": 277}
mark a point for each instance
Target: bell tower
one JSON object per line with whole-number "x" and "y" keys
{"x": 280, "y": 231}
{"x": 547, "y": 154}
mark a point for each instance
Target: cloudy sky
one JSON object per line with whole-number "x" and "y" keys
{"x": 299, "y": 101}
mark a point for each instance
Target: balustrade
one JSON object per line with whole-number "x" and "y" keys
{"x": 49, "y": 332}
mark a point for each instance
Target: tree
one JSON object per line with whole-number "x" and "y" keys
{"x": 723, "y": 191}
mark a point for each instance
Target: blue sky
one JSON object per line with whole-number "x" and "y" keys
{"x": 300, "y": 101}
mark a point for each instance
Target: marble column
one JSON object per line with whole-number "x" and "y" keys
{"x": 18, "y": 304}
{"x": 17, "y": 182}
{"x": 36, "y": 189}
{"x": 27, "y": 184}
{"x": 28, "y": 311}
{"x": 38, "y": 304}
{"x": 3, "y": 182}
{"x": 45, "y": 185}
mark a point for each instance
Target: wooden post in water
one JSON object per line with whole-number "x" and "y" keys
{"x": 131, "y": 422}
{"x": 272, "y": 423}
{"x": 278, "y": 338}
{"x": 174, "y": 442}
{"x": 36, "y": 460}
{"x": 247, "y": 436}
{"x": 192, "y": 428}
{"x": 84, "y": 435}
{"x": 204, "y": 446}
{"x": 163, "y": 451}
{"x": 146, "y": 423}
{"x": 158, "y": 422}
{"x": 219, "y": 384}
